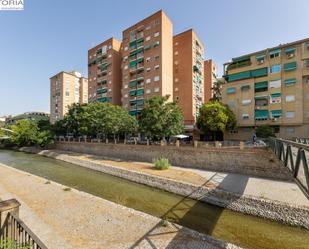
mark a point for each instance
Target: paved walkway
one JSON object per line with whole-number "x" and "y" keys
{"x": 74, "y": 219}
{"x": 288, "y": 192}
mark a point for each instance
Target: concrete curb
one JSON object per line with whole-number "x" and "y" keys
{"x": 293, "y": 215}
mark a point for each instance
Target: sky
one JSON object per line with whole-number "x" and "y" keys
{"x": 50, "y": 36}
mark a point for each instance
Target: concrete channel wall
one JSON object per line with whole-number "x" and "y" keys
{"x": 256, "y": 162}
{"x": 269, "y": 209}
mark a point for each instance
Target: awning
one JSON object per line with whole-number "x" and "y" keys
{"x": 261, "y": 97}
{"x": 290, "y": 66}
{"x": 260, "y": 85}
{"x": 276, "y": 95}
{"x": 274, "y": 51}
{"x": 260, "y": 57}
{"x": 290, "y": 81}
{"x": 261, "y": 114}
{"x": 289, "y": 50}
{"x": 276, "y": 113}
{"x": 259, "y": 72}
{"x": 242, "y": 58}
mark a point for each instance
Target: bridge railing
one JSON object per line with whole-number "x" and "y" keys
{"x": 13, "y": 231}
{"x": 295, "y": 156}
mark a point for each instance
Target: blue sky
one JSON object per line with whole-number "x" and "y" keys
{"x": 54, "y": 35}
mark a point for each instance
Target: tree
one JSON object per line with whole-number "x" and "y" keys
{"x": 214, "y": 117}
{"x": 44, "y": 138}
{"x": 265, "y": 131}
{"x": 161, "y": 118}
{"x": 217, "y": 90}
{"x": 24, "y": 133}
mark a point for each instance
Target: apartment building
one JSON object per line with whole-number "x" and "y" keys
{"x": 104, "y": 72}
{"x": 147, "y": 61}
{"x": 270, "y": 87}
{"x": 66, "y": 88}
{"x": 188, "y": 66}
{"x": 210, "y": 76}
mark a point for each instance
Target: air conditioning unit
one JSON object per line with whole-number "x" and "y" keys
{"x": 261, "y": 62}
{"x": 274, "y": 119}
{"x": 290, "y": 55}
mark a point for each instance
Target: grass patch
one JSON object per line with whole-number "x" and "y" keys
{"x": 161, "y": 163}
{"x": 66, "y": 189}
{"x": 164, "y": 223}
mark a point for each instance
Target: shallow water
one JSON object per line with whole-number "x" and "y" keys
{"x": 243, "y": 230}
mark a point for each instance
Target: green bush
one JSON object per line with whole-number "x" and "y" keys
{"x": 265, "y": 131}
{"x": 9, "y": 244}
{"x": 161, "y": 163}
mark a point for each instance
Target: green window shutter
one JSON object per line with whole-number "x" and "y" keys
{"x": 289, "y": 50}
{"x": 274, "y": 51}
{"x": 139, "y": 92}
{"x": 259, "y": 72}
{"x": 276, "y": 95}
{"x": 260, "y": 114}
{"x": 308, "y": 63}
{"x": 102, "y": 90}
{"x": 238, "y": 76}
{"x": 291, "y": 81}
{"x": 132, "y": 84}
{"x": 260, "y": 57}
{"x": 231, "y": 90}
{"x": 290, "y": 66}
{"x": 133, "y": 63}
{"x": 261, "y": 97}
{"x": 276, "y": 113}
{"x": 156, "y": 44}
{"x": 132, "y": 92}
{"x": 147, "y": 47}
{"x": 245, "y": 87}
{"x": 242, "y": 58}
{"x": 140, "y": 60}
{"x": 307, "y": 45}
{"x": 261, "y": 85}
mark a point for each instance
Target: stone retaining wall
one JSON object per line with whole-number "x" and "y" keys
{"x": 273, "y": 210}
{"x": 256, "y": 162}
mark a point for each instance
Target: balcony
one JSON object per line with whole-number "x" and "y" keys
{"x": 137, "y": 69}
{"x": 102, "y": 82}
{"x": 102, "y": 90}
{"x": 104, "y": 99}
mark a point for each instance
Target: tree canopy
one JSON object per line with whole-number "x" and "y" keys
{"x": 265, "y": 131}
{"x": 96, "y": 119}
{"x": 216, "y": 89}
{"x": 214, "y": 116}
{"x": 161, "y": 118}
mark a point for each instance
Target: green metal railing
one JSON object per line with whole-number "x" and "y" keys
{"x": 295, "y": 156}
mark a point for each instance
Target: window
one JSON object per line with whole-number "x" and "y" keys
{"x": 148, "y": 69}
{"x": 290, "y": 52}
{"x": 176, "y": 79}
{"x": 275, "y": 68}
{"x": 148, "y": 27}
{"x": 289, "y": 114}
{"x": 245, "y": 87}
{"x": 176, "y": 62}
{"x": 246, "y": 102}
{"x": 176, "y": 89}
{"x": 109, "y": 56}
{"x": 157, "y": 57}
{"x": 260, "y": 58}
{"x": 156, "y": 34}
{"x": 67, "y": 93}
{"x": 157, "y": 89}
{"x": 245, "y": 116}
{"x": 148, "y": 81}
{"x": 156, "y": 78}
{"x": 126, "y": 67}
{"x": 275, "y": 84}
{"x": 231, "y": 90}
{"x": 290, "y": 130}
{"x": 289, "y": 98}
{"x": 261, "y": 100}
{"x": 156, "y": 44}
{"x": 261, "y": 86}
{"x": 290, "y": 82}
{"x": 176, "y": 43}
{"x": 148, "y": 91}
{"x": 231, "y": 104}
{"x": 176, "y": 53}
{"x": 148, "y": 59}
{"x": 274, "y": 53}
{"x": 290, "y": 66}
{"x": 275, "y": 98}
{"x": 147, "y": 38}
{"x": 126, "y": 95}
{"x": 156, "y": 67}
